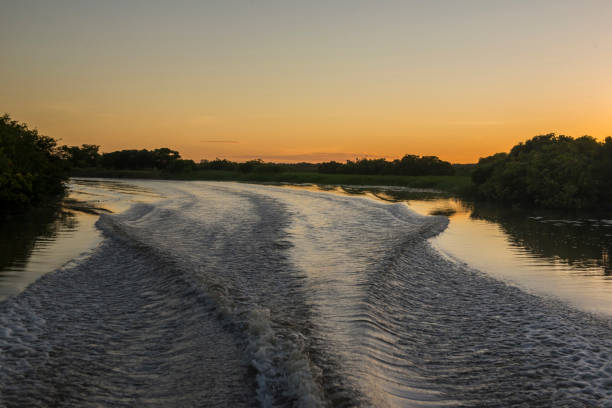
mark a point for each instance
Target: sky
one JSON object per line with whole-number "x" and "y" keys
{"x": 308, "y": 80}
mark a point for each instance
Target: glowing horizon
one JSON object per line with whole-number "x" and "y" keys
{"x": 308, "y": 81}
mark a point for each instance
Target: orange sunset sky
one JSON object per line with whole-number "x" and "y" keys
{"x": 308, "y": 80}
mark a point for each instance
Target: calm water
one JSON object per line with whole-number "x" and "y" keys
{"x": 226, "y": 294}
{"x": 39, "y": 242}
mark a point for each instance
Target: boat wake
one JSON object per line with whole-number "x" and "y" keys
{"x": 226, "y": 294}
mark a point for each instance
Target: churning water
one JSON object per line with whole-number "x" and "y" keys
{"x": 224, "y": 294}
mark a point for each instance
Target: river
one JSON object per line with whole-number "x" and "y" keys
{"x": 228, "y": 294}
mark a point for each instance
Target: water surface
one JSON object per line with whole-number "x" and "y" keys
{"x": 551, "y": 253}
{"x": 226, "y": 294}
{"x": 44, "y": 239}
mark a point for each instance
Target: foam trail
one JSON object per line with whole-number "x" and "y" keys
{"x": 226, "y": 294}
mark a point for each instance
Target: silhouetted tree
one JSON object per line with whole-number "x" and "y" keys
{"x": 160, "y": 159}
{"x": 409, "y": 165}
{"x": 549, "y": 171}
{"x": 32, "y": 168}
{"x": 85, "y": 156}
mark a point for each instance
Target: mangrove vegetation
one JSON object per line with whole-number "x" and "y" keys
{"x": 549, "y": 171}
{"x": 32, "y": 168}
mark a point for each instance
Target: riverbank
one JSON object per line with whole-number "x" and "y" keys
{"x": 450, "y": 184}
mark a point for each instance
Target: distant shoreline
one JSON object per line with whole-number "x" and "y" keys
{"x": 449, "y": 184}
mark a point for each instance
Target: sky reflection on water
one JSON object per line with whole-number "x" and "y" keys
{"x": 549, "y": 253}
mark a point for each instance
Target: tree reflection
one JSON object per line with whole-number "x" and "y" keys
{"x": 582, "y": 240}
{"x": 19, "y": 234}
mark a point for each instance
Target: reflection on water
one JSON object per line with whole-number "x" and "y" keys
{"x": 116, "y": 196}
{"x": 44, "y": 239}
{"x": 243, "y": 293}
{"x": 40, "y": 241}
{"x": 547, "y": 252}
{"x": 583, "y": 242}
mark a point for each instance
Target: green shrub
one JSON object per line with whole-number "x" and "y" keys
{"x": 32, "y": 168}
{"x": 549, "y": 171}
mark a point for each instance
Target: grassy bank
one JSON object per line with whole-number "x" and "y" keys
{"x": 451, "y": 184}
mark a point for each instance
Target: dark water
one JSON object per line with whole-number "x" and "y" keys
{"x": 44, "y": 239}
{"x": 40, "y": 241}
{"x": 224, "y": 294}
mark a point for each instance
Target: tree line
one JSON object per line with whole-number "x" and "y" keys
{"x": 88, "y": 155}
{"x": 409, "y": 165}
{"x": 170, "y": 160}
{"x": 164, "y": 159}
{"x": 549, "y": 171}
